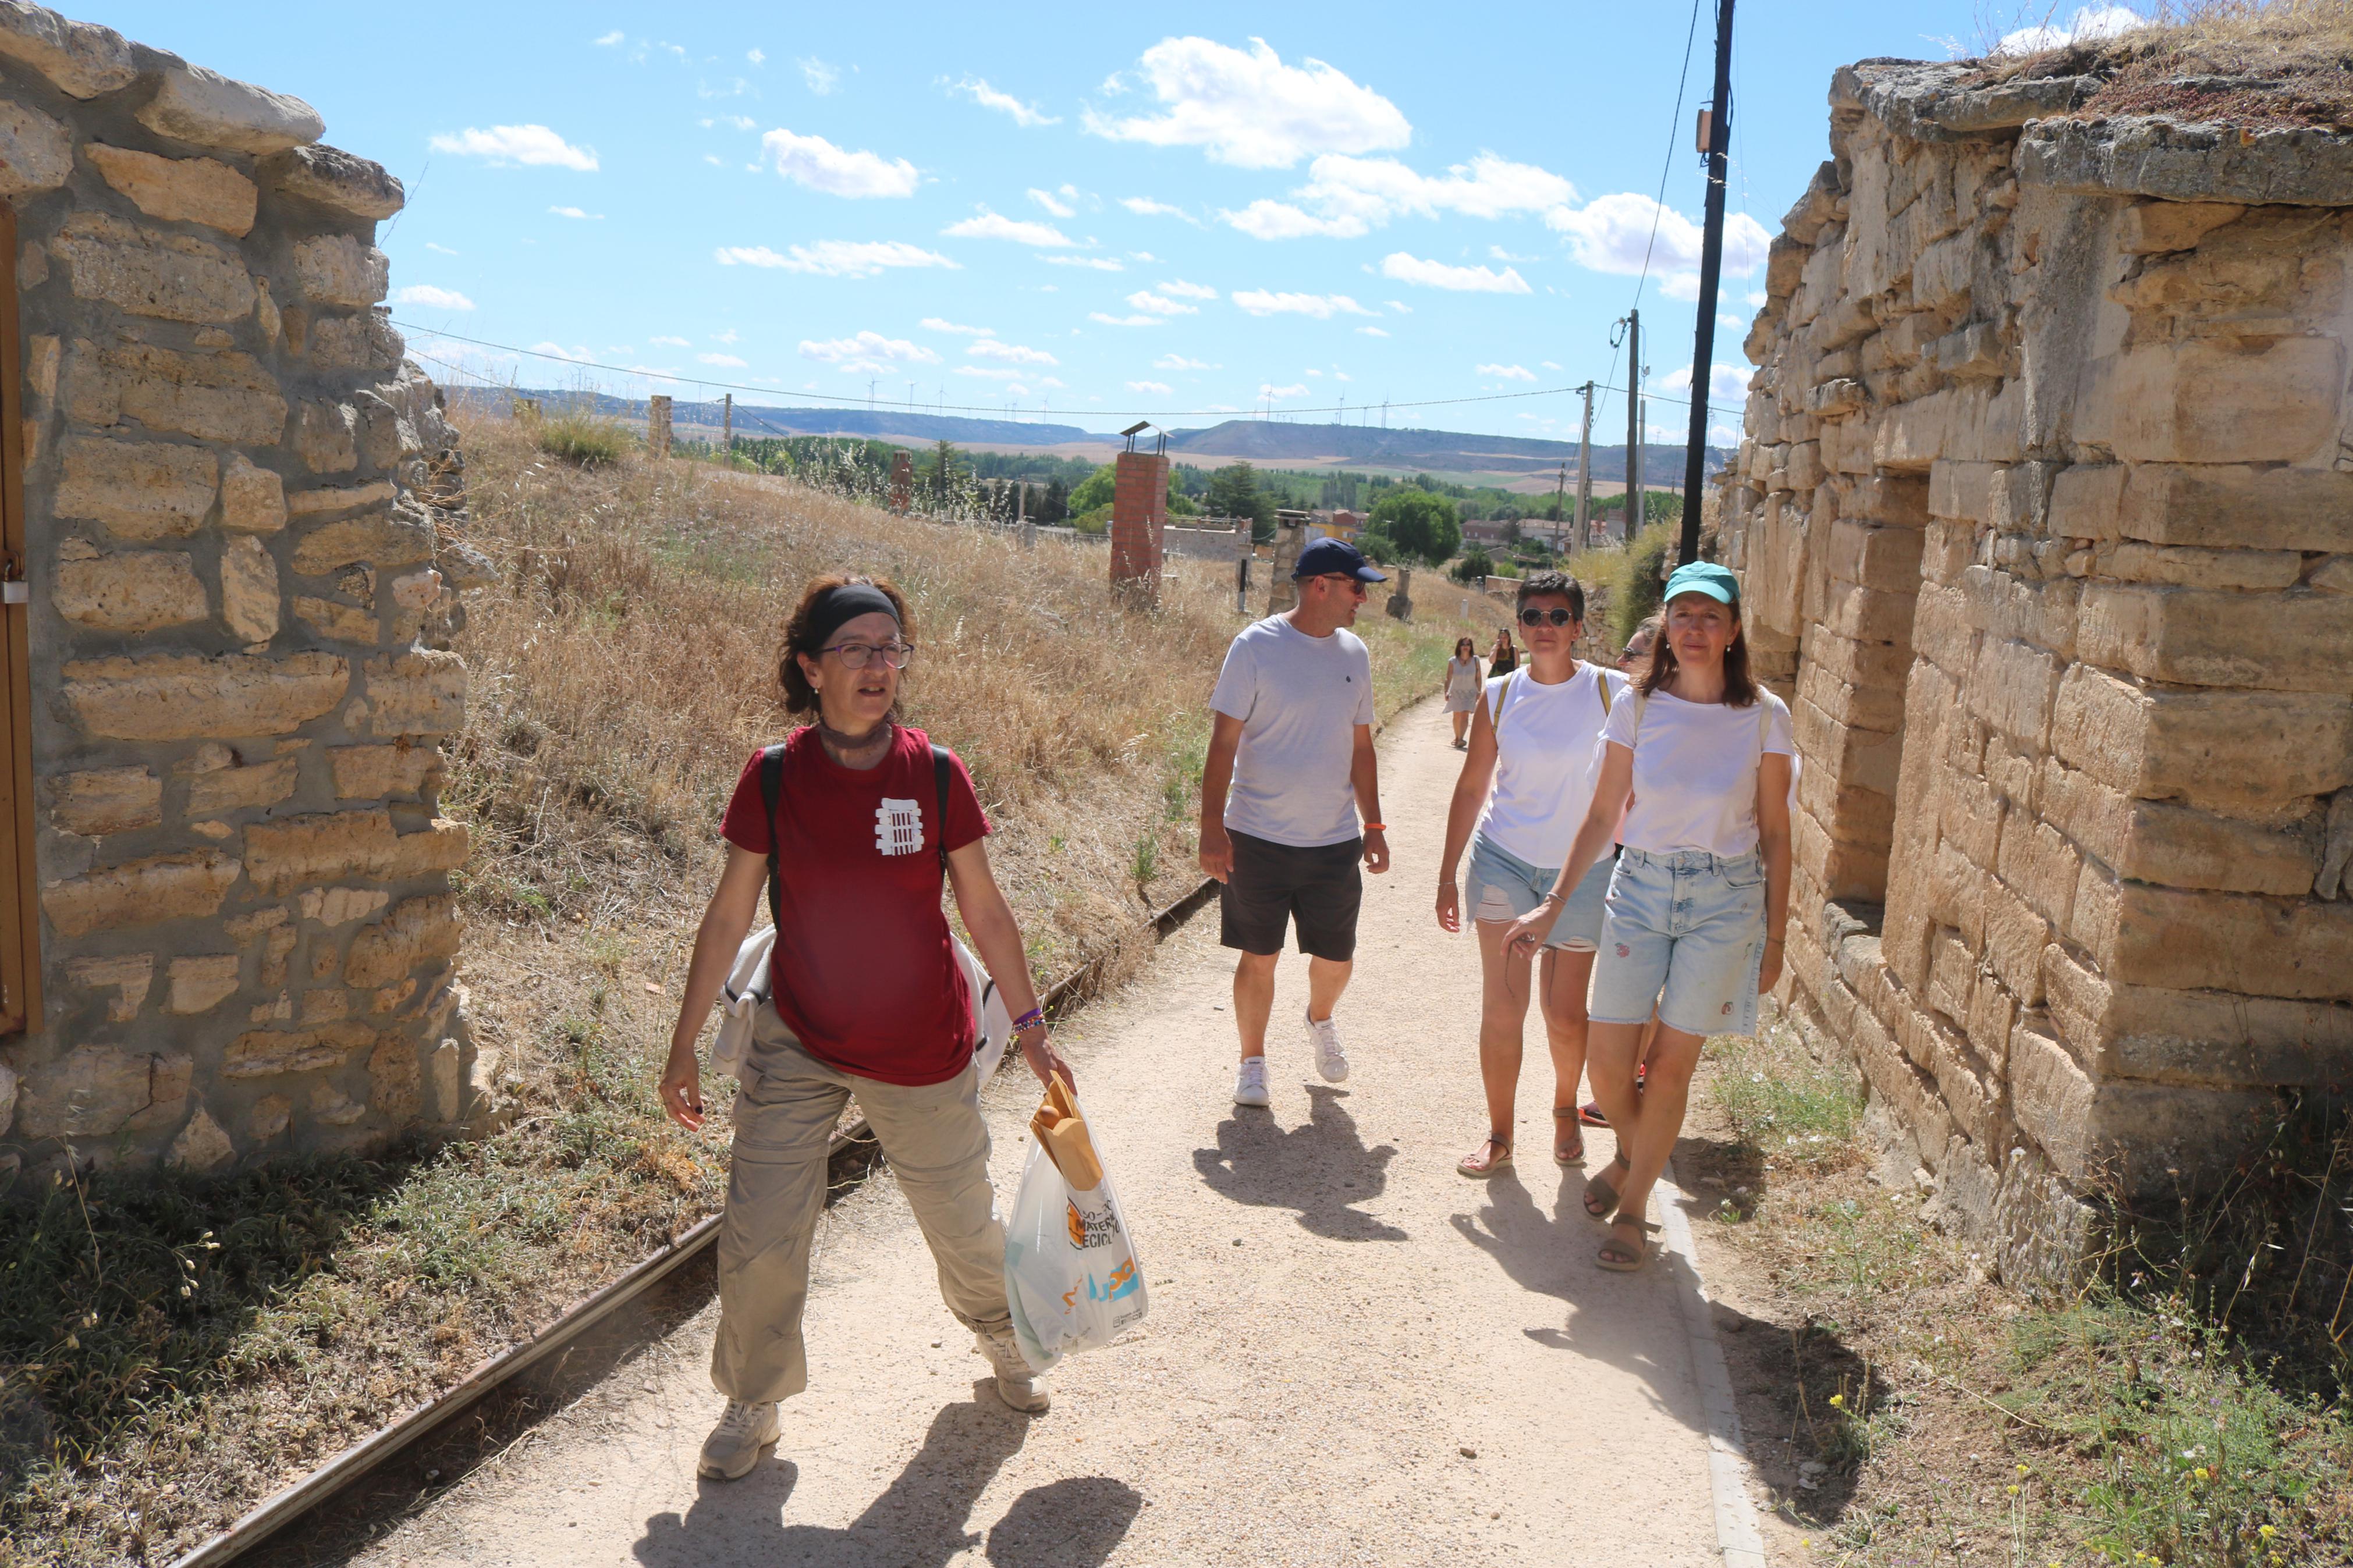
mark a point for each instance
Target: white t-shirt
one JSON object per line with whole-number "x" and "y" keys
{"x": 1695, "y": 770}
{"x": 1545, "y": 741}
{"x": 1300, "y": 699}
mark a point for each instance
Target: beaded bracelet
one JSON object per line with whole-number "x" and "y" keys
{"x": 1029, "y": 1020}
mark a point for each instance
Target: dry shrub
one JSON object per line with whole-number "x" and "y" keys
{"x": 2255, "y": 63}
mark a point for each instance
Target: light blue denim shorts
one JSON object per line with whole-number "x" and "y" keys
{"x": 1686, "y": 931}
{"x": 1501, "y": 886}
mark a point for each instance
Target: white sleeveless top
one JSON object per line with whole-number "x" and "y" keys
{"x": 1546, "y": 740}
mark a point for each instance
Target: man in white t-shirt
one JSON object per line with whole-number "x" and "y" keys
{"x": 1290, "y": 766}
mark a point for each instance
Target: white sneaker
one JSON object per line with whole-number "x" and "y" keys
{"x": 1330, "y": 1060}
{"x": 734, "y": 1445}
{"x": 1016, "y": 1383}
{"x": 1250, "y": 1082}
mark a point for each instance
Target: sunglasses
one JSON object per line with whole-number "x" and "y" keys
{"x": 1354, "y": 584}
{"x": 1552, "y": 617}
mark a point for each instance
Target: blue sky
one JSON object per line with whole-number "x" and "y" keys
{"x": 1082, "y": 214}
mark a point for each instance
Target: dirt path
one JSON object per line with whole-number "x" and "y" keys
{"x": 1353, "y": 1356}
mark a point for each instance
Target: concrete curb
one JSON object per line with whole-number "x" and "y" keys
{"x": 1728, "y": 1455}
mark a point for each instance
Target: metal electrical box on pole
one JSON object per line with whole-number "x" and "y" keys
{"x": 1717, "y": 129}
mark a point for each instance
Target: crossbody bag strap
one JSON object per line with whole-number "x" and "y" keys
{"x": 772, "y": 795}
{"x": 940, "y": 786}
{"x": 1601, "y": 683}
{"x": 1496, "y": 708}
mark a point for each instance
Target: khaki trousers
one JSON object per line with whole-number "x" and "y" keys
{"x": 785, "y": 1111}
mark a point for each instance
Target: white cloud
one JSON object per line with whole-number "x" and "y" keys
{"x": 1277, "y": 393}
{"x": 814, "y": 162}
{"x": 938, "y": 324}
{"x": 1248, "y": 109}
{"x": 1146, "y": 300}
{"x": 1497, "y": 253}
{"x": 1507, "y": 371}
{"x": 1372, "y": 332}
{"x": 836, "y": 258}
{"x": 989, "y": 373}
{"x": 729, "y": 336}
{"x": 440, "y": 250}
{"x": 1312, "y": 372}
{"x": 1407, "y": 269}
{"x": 578, "y": 352}
{"x": 425, "y": 294}
{"x": 867, "y": 346}
{"x": 610, "y": 39}
{"x": 1093, "y": 263}
{"x": 822, "y": 78}
{"x": 575, "y": 212}
{"x": 996, "y": 225}
{"x": 1344, "y": 197}
{"x": 1726, "y": 383}
{"x": 1179, "y": 362}
{"x": 1161, "y": 387}
{"x": 505, "y": 144}
{"x": 2088, "y": 22}
{"x": 1549, "y": 365}
{"x": 1052, "y": 203}
{"x": 1124, "y": 320}
{"x": 726, "y": 361}
{"x": 757, "y": 56}
{"x": 1613, "y": 233}
{"x": 1183, "y": 290}
{"x": 737, "y": 122}
{"x": 987, "y": 97}
{"x": 1323, "y": 306}
{"x": 673, "y": 342}
{"x": 1726, "y": 319}
{"x": 1012, "y": 354}
{"x": 1400, "y": 306}
{"x": 1144, "y": 207}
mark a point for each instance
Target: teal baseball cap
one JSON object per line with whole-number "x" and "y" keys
{"x": 1703, "y": 577}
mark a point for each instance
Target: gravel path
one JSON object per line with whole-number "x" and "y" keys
{"x": 1354, "y": 1356}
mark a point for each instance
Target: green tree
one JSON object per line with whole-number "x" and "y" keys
{"x": 1234, "y": 491}
{"x": 1094, "y": 490}
{"x": 1378, "y": 546}
{"x": 1055, "y": 504}
{"x": 1423, "y": 525}
{"x": 939, "y": 479}
{"x": 1474, "y": 567}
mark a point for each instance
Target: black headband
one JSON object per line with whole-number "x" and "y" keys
{"x": 837, "y": 606}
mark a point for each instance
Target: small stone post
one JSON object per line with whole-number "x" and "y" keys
{"x": 658, "y": 425}
{"x": 1022, "y": 516}
{"x": 1400, "y": 605}
{"x": 1139, "y": 509}
{"x": 902, "y": 482}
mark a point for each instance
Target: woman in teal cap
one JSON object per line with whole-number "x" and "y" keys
{"x": 1699, "y": 762}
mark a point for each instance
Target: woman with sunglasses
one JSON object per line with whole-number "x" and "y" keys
{"x": 868, "y": 1001}
{"x": 1699, "y": 895}
{"x": 1462, "y": 686}
{"x": 1524, "y": 784}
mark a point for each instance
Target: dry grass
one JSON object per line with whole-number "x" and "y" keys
{"x": 2254, "y": 63}
{"x": 622, "y": 671}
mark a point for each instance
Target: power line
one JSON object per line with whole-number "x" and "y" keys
{"x": 822, "y": 401}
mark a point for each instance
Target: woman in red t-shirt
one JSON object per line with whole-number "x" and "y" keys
{"x": 868, "y": 1001}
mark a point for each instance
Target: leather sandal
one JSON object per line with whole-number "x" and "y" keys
{"x": 1616, "y": 1256}
{"x": 1600, "y": 1197}
{"x": 1467, "y": 1165}
{"x": 1567, "y": 1114}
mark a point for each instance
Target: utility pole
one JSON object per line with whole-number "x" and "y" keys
{"x": 1715, "y": 124}
{"x": 727, "y": 424}
{"x": 1584, "y": 474}
{"x": 1559, "y": 507}
{"x": 1633, "y": 325}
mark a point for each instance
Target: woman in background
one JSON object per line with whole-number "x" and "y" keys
{"x": 1462, "y": 681}
{"x": 1505, "y": 658}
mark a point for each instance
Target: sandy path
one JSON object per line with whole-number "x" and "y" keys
{"x": 1353, "y": 1356}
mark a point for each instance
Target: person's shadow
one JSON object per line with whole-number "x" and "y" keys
{"x": 1535, "y": 1249}
{"x": 1321, "y": 1169}
{"x": 919, "y": 1522}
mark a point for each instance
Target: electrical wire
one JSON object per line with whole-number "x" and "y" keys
{"x": 821, "y": 401}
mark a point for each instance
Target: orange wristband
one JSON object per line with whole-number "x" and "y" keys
{"x": 1376, "y": 827}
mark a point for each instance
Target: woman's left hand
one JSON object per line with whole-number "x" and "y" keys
{"x": 1769, "y": 973}
{"x": 1039, "y": 1052}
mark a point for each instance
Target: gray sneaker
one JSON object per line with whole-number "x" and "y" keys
{"x": 734, "y": 1445}
{"x": 1017, "y": 1383}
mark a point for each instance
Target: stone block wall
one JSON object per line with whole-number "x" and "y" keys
{"x": 1139, "y": 509}
{"x": 236, "y": 493}
{"x": 2045, "y": 524}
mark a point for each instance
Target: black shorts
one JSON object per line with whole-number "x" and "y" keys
{"x": 1323, "y": 887}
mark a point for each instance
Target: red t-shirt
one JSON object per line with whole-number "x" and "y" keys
{"x": 864, "y": 974}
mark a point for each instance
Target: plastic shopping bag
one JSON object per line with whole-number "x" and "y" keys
{"x": 1071, "y": 1273}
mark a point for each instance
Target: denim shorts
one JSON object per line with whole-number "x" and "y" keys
{"x": 1503, "y": 886}
{"x": 1686, "y": 931}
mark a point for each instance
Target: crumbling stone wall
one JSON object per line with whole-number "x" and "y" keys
{"x": 235, "y": 491}
{"x": 2046, "y": 518}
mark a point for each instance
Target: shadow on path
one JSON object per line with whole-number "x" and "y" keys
{"x": 1322, "y": 1168}
{"x": 919, "y": 1522}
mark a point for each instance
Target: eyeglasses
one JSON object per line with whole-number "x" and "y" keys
{"x": 1555, "y": 617}
{"x": 855, "y": 654}
{"x": 1355, "y": 585}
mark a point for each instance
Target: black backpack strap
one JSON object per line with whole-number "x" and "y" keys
{"x": 772, "y": 795}
{"x": 940, "y": 785}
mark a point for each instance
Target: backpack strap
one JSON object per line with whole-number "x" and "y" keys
{"x": 1601, "y": 681}
{"x": 940, "y": 786}
{"x": 772, "y": 795}
{"x": 1495, "y": 704}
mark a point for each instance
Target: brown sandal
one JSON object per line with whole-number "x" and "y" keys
{"x": 1616, "y": 1256}
{"x": 1463, "y": 1167}
{"x": 1600, "y": 1197}
{"x": 1567, "y": 1114}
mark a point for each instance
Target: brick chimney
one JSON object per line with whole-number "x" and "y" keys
{"x": 1139, "y": 509}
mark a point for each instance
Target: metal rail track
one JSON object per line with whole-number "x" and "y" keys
{"x": 275, "y": 1512}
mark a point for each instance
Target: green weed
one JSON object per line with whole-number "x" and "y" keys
{"x": 588, "y": 439}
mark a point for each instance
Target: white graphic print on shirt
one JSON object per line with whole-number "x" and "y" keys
{"x": 899, "y": 827}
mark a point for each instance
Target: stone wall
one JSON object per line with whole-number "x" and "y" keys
{"x": 2045, "y": 522}
{"x": 236, "y": 493}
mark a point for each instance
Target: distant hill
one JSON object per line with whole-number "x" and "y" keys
{"x": 1272, "y": 444}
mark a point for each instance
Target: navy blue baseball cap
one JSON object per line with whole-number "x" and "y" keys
{"x": 1331, "y": 557}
